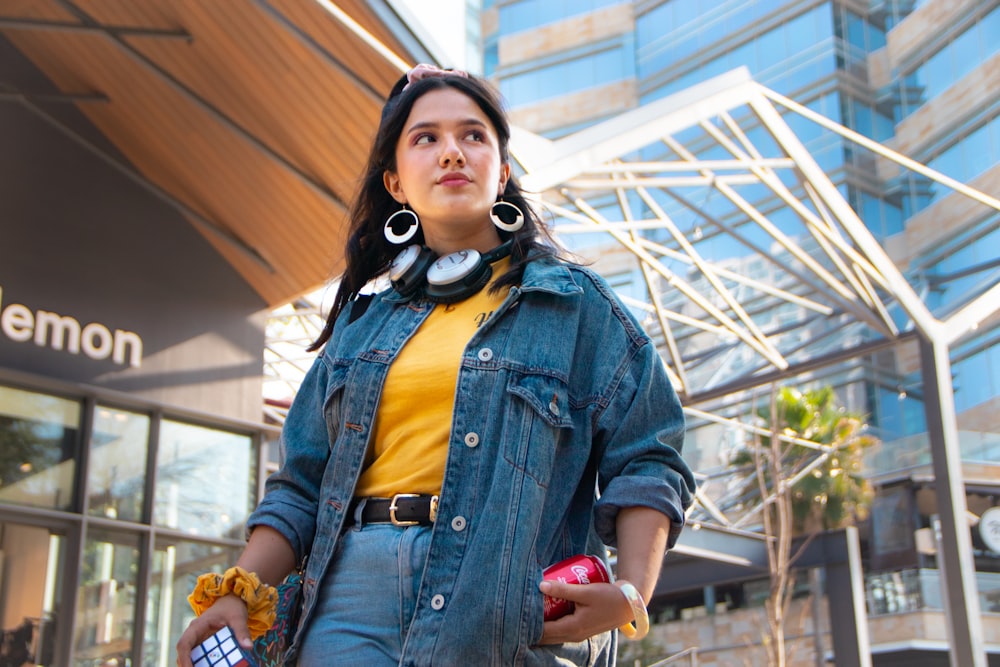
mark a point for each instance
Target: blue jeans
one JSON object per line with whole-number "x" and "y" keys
{"x": 367, "y": 597}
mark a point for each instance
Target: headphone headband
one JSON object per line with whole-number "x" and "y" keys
{"x": 448, "y": 279}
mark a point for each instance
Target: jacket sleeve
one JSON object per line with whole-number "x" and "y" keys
{"x": 292, "y": 493}
{"x": 641, "y": 462}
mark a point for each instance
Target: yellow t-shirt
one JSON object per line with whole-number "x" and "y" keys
{"x": 413, "y": 424}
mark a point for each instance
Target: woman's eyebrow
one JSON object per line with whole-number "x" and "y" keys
{"x": 432, "y": 124}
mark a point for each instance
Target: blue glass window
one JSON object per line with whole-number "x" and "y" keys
{"x": 491, "y": 59}
{"x": 517, "y": 16}
{"x": 856, "y": 29}
{"x": 680, "y": 28}
{"x": 965, "y": 159}
{"x": 977, "y": 377}
{"x": 888, "y": 415}
{"x": 961, "y": 266}
{"x": 959, "y": 57}
{"x": 567, "y": 76}
{"x": 791, "y": 56}
{"x": 897, "y": 415}
{"x": 882, "y": 216}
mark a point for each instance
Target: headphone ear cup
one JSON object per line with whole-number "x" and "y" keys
{"x": 457, "y": 276}
{"x": 408, "y": 270}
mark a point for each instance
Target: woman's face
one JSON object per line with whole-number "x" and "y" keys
{"x": 448, "y": 170}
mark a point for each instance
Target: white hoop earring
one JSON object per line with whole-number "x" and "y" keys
{"x": 396, "y": 218}
{"x": 506, "y": 216}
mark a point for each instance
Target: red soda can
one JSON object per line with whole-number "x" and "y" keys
{"x": 579, "y": 569}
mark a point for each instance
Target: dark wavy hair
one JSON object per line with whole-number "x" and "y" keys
{"x": 368, "y": 253}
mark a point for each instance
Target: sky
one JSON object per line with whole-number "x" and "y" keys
{"x": 444, "y": 21}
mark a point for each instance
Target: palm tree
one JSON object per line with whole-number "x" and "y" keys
{"x": 819, "y": 458}
{"x": 806, "y": 464}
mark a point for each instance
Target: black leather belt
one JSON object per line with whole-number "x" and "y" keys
{"x": 403, "y": 509}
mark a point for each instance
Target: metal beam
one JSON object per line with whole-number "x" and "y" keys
{"x": 746, "y": 383}
{"x": 880, "y": 149}
{"x": 732, "y": 231}
{"x": 629, "y": 131}
{"x": 681, "y": 285}
{"x": 746, "y": 281}
{"x": 967, "y": 319}
{"x": 957, "y": 567}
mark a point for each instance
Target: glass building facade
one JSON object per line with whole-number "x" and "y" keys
{"x": 915, "y": 76}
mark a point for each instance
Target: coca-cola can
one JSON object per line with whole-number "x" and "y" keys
{"x": 579, "y": 569}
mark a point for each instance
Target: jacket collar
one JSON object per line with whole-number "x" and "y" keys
{"x": 549, "y": 275}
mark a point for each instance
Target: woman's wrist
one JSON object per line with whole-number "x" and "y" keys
{"x": 261, "y": 599}
{"x": 640, "y": 614}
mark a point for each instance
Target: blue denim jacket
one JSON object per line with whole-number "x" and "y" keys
{"x": 563, "y": 415}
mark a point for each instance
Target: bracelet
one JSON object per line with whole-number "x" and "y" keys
{"x": 261, "y": 599}
{"x": 641, "y": 627}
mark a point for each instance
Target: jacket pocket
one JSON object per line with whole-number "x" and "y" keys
{"x": 537, "y": 422}
{"x": 333, "y": 397}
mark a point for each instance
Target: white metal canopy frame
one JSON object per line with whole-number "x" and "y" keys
{"x": 716, "y": 155}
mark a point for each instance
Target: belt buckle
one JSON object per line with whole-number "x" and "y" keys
{"x": 393, "y": 507}
{"x": 433, "y": 513}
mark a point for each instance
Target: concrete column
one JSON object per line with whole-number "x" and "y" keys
{"x": 845, "y": 590}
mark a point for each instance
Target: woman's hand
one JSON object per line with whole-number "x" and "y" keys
{"x": 269, "y": 555}
{"x": 597, "y": 608}
{"x": 228, "y": 610}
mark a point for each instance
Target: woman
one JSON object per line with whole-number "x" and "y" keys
{"x": 452, "y": 440}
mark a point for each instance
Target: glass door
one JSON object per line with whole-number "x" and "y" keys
{"x": 31, "y": 610}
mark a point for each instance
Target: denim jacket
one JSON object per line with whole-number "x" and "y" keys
{"x": 563, "y": 415}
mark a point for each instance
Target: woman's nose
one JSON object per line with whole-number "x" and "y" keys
{"x": 451, "y": 153}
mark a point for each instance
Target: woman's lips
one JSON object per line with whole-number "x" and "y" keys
{"x": 453, "y": 180}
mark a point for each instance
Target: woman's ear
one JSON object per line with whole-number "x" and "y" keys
{"x": 392, "y": 186}
{"x": 504, "y": 177}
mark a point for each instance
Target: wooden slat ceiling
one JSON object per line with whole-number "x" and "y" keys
{"x": 254, "y": 115}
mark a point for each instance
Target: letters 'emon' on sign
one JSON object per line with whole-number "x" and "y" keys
{"x": 61, "y": 332}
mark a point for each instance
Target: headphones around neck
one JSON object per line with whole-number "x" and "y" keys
{"x": 448, "y": 279}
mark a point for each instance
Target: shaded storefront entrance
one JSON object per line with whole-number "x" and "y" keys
{"x": 31, "y": 560}
{"x": 109, "y": 509}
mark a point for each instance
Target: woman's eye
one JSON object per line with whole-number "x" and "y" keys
{"x": 423, "y": 139}
{"x": 474, "y": 135}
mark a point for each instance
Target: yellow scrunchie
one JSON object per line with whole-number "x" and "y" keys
{"x": 261, "y": 599}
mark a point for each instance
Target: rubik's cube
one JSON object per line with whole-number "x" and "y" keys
{"x": 219, "y": 650}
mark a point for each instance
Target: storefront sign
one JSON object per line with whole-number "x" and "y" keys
{"x": 62, "y": 332}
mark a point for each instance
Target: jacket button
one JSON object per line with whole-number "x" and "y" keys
{"x": 485, "y": 354}
{"x": 437, "y": 602}
{"x": 458, "y": 524}
{"x": 471, "y": 439}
